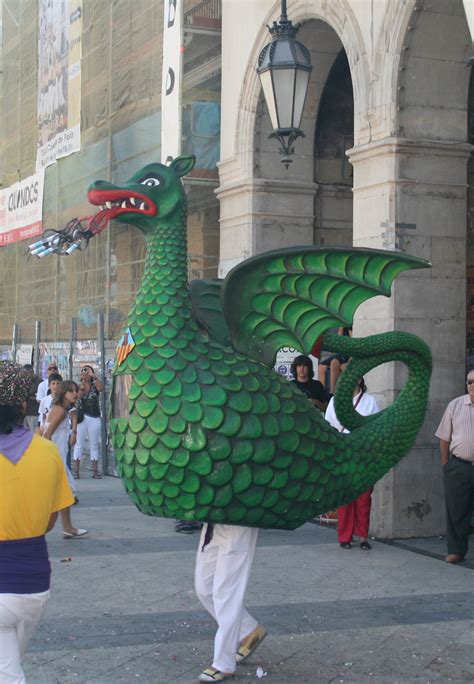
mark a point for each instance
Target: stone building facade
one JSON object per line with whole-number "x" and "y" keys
{"x": 384, "y": 164}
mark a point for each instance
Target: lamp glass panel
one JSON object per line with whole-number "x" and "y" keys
{"x": 301, "y": 88}
{"x": 300, "y": 56}
{"x": 283, "y": 52}
{"x": 266, "y": 81}
{"x": 283, "y": 84}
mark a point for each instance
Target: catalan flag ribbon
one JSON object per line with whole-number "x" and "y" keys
{"x": 125, "y": 346}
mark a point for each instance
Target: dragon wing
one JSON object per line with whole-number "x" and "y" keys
{"x": 206, "y": 308}
{"x": 290, "y": 297}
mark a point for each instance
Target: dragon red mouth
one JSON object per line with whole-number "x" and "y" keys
{"x": 116, "y": 202}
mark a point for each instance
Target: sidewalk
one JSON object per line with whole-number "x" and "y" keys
{"x": 123, "y": 607}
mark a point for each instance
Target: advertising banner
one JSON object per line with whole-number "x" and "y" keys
{"x": 59, "y": 80}
{"x": 171, "y": 87}
{"x": 21, "y": 210}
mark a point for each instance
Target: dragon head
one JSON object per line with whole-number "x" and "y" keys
{"x": 152, "y": 193}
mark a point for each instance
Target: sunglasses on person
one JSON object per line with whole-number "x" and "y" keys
{"x": 470, "y": 382}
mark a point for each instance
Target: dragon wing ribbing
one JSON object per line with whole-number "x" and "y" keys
{"x": 291, "y": 297}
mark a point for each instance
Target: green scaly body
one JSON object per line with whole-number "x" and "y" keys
{"x": 211, "y": 434}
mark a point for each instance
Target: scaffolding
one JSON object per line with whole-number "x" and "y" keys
{"x": 120, "y": 132}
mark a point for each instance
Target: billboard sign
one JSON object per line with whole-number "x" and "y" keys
{"x": 59, "y": 80}
{"x": 21, "y": 210}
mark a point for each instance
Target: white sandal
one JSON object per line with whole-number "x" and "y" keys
{"x": 210, "y": 674}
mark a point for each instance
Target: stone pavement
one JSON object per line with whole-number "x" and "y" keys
{"x": 123, "y": 607}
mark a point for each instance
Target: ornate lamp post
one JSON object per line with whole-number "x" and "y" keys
{"x": 284, "y": 68}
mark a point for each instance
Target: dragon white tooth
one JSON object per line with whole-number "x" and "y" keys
{"x": 108, "y": 205}
{"x": 132, "y": 200}
{"x": 142, "y": 206}
{"x": 124, "y": 204}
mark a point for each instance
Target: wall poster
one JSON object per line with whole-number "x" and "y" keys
{"x": 21, "y": 210}
{"x": 59, "y": 80}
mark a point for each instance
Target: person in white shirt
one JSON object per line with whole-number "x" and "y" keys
{"x": 42, "y": 390}
{"x": 54, "y": 381}
{"x": 353, "y": 518}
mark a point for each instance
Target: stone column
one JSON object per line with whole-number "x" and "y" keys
{"x": 259, "y": 214}
{"x": 410, "y": 196}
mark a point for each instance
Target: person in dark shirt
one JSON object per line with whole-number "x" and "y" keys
{"x": 302, "y": 369}
{"x": 90, "y": 425}
{"x": 334, "y": 362}
{"x": 31, "y": 417}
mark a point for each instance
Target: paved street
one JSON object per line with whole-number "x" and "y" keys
{"x": 123, "y": 607}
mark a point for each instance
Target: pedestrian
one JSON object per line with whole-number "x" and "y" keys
{"x": 302, "y": 370}
{"x": 42, "y": 390}
{"x": 90, "y": 426}
{"x": 223, "y": 565}
{"x": 353, "y": 518}
{"x": 33, "y": 488}
{"x": 31, "y": 418}
{"x": 54, "y": 381}
{"x": 456, "y": 445}
{"x": 335, "y": 362}
{"x": 60, "y": 429}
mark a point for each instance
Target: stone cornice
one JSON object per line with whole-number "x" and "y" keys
{"x": 270, "y": 185}
{"x": 424, "y": 185}
{"x": 394, "y": 145}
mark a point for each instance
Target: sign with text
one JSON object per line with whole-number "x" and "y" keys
{"x": 172, "y": 77}
{"x": 59, "y": 80}
{"x": 21, "y": 210}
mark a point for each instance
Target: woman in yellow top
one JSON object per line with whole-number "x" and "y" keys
{"x": 33, "y": 488}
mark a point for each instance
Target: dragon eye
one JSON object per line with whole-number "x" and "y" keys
{"x": 152, "y": 181}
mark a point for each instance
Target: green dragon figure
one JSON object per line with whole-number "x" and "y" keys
{"x": 203, "y": 428}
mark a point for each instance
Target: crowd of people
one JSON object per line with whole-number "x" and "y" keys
{"x": 37, "y": 484}
{"x": 67, "y": 412}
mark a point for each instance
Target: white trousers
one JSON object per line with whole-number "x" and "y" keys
{"x": 19, "y": 615}
{"x": 221, "y": 577}
{"x": 91, "y": 427}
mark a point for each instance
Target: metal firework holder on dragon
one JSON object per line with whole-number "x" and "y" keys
{"x": 203, "y": 428}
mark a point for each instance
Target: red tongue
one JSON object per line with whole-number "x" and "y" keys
{"x": 97, "y": 223}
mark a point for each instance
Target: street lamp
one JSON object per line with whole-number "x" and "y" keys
{"x": 284, "y": 67}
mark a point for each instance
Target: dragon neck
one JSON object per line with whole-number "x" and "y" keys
{"x": 163, "y": 294}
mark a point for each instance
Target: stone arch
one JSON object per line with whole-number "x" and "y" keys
{"x": 381, "y": 117}
{"x": 339, "y": 16}
{"x": 433, "y": 79}
{"x": 333, "y": 173}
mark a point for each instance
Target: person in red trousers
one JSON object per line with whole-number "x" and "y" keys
{"x": 353, "y": 518}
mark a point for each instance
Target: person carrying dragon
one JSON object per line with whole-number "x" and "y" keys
{"x": 202, "y": 427}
